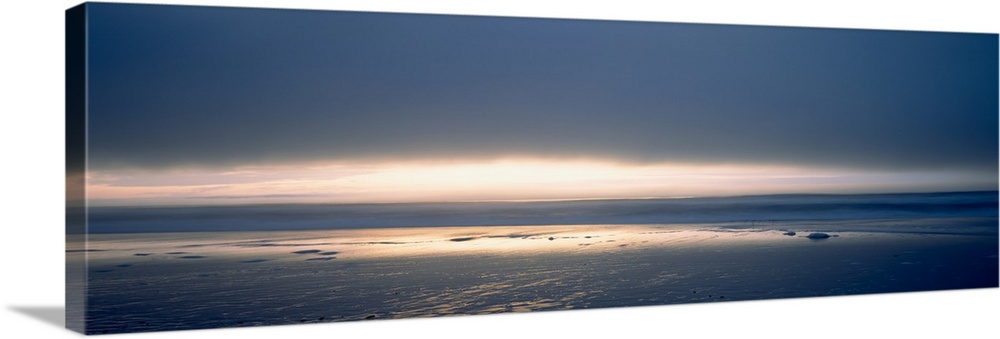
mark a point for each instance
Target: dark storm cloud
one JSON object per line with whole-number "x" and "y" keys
{"x": 175, "y": 86}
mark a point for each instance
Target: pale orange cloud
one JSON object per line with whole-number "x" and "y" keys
{"x": 504, "y": 179}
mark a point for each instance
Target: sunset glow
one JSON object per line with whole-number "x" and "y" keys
{"x": 508, "y": 180}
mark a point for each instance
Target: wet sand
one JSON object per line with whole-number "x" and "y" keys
{"x": 171, "y": 281}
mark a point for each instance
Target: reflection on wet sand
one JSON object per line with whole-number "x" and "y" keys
{"x": 423, "y": 241}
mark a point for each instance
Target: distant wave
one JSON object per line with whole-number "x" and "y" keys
{"x": 645, "y": 211}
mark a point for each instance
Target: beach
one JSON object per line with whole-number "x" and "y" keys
{"x": 190, "y": 280}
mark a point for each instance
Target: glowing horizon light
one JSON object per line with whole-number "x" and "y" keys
{"x": 496, "y": 180}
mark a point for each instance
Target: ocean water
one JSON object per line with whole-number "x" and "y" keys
{"x": 154, "y": 269}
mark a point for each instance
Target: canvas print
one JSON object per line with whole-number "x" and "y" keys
{"x": 231, "y": 167}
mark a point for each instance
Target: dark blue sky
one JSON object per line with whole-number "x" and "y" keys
{"x": 175, "y": 86}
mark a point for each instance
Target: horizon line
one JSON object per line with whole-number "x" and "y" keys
{"x": 515, "y": 201}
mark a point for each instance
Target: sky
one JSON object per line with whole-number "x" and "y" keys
{"x": 201, "y": 105}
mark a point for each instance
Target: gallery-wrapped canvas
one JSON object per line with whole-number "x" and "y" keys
{"x": 232, "y": 167}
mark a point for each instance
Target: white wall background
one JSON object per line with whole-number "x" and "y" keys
{"x": 31, "y": 188}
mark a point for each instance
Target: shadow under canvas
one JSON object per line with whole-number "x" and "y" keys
{"x": 52, "y": 315}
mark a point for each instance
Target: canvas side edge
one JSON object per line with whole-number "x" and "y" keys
{"x": 76, "y": 158}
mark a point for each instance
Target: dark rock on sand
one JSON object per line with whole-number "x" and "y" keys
{"x": 142, "y": 254}
{"x": 789, "y": 233}
{"x": 307, "y": 251}
{"x": 462, "y": 239}
{"x": 552, "y": 238}
{"x": 818, "y": 236}
{"x": 193, "y": 257}
{"x": 328, "y": 253}
{"x": 253, "y": 261}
